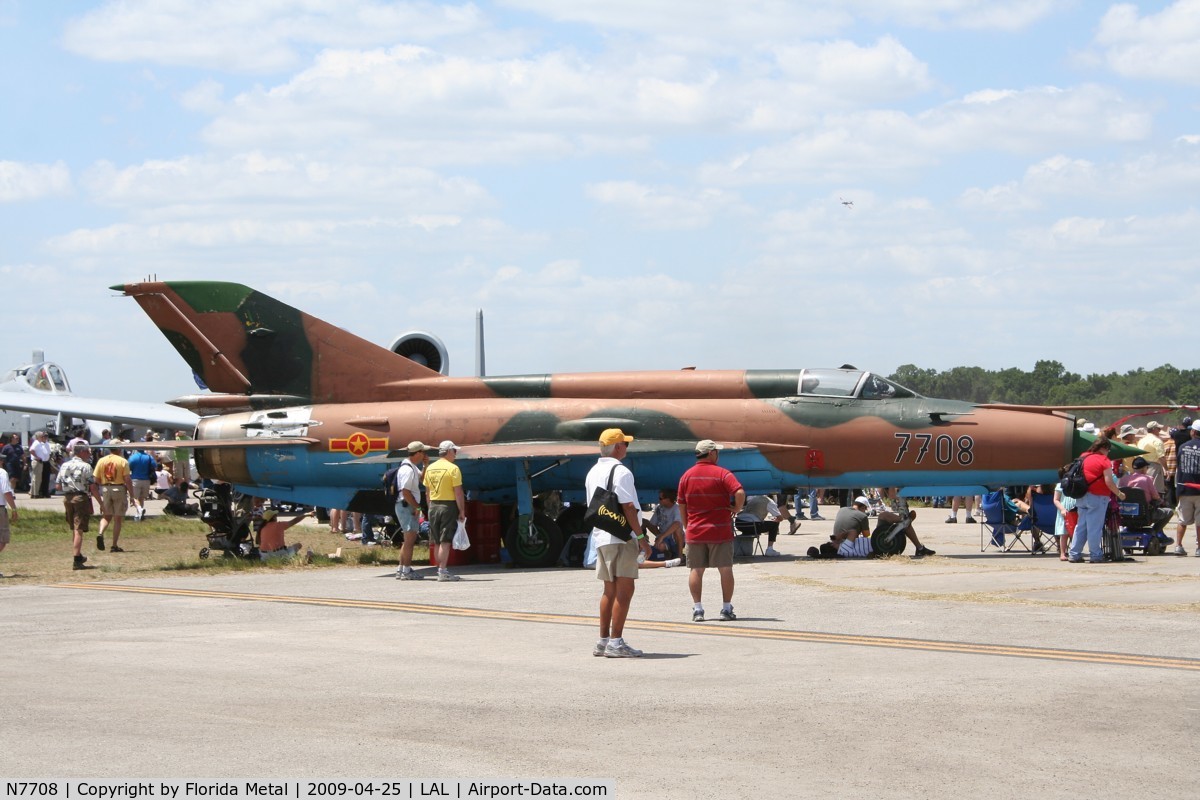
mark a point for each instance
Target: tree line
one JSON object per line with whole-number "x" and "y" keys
{"x": 1051, "y": 384}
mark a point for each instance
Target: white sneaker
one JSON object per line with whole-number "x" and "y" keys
{"x": 601, "y": 645}
{"x": 1179, "y": 551}
{"x": 673, "y": 562}
{"x": 623, "y": 650}
{"x": 771, "y": 551}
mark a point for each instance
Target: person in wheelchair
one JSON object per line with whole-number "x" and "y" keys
{"x": 1140, "y": 479}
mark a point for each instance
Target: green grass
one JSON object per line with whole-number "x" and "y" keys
{"x": 40, "y": 551}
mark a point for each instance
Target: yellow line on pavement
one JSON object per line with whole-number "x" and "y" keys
{"x": 688, "y": 628}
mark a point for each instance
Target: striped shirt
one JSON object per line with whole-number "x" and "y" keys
{"x": 855, "y": 548}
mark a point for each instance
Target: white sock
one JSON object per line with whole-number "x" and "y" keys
{"x": 603, "y": 640}
{"x": 727, "y": 606}
{"x": 617, "y": 641}
{"x": 698, "y": 607}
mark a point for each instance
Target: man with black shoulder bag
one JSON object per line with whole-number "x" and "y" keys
{"x": 618, "y": 538}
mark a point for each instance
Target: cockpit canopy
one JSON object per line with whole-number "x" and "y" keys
{"x": 850, "y": 383}
{"x": 45, "y": 377}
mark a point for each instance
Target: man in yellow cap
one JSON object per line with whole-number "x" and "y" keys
{"x": 616, "y": 560}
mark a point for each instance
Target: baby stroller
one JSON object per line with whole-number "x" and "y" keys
{"x": 230, "y": 530}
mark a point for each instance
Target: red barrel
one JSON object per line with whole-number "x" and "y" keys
{"x": 457, "y": 557}
{"x": 486, "y": 531}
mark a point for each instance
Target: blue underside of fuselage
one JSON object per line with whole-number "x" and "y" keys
{"x": 331, "y": 479}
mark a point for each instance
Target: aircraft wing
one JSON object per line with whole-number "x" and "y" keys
{"x": 497, "y": 451}
{"x": 213, "y": 444}
{"x": 1051, "y": 409}
{"x": 131, "y": 412}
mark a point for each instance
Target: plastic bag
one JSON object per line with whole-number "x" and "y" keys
{"x": 589, "y": 555}
{"x": 461, "y": 541}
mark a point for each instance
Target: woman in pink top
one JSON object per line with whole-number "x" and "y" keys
{"x": 1093, "y": 506}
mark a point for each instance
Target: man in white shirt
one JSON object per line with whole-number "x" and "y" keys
{"x": 39, "y": 461}
{"x": 408, "y": 507}
{"x": 616, "y": 559}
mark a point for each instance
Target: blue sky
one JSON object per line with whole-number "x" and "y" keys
{"x": 618, "y": 184}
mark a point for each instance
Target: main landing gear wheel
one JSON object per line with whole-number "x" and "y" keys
{"x": 539, "y": 545}
{"x": 203, "y": 552}
{"x": 1155, "y": 547}
{"x": 889, "y": 540}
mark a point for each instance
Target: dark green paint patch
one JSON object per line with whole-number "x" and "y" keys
{"x": 649, "y": 424}
{"x": 765, "y": 383}
{"x": 520, "y": 386}
{"x": 528, "y": 426}
{"x": 277, "y": 355}
{"x": 207, "y": 296}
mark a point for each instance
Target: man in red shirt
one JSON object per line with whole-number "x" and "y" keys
{"x": 709, "y": 498}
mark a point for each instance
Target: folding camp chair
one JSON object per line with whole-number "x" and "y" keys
{"x": 1043, "y": 520}
{"x": 746, "y": 536}
{"x": 995, "y": 532}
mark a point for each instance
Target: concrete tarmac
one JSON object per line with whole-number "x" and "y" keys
{"x": 963, "y": 674}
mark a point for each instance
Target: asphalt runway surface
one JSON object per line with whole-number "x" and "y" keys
{"x": 957, "y": 675}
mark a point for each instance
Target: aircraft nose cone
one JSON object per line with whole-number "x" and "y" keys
{"x": 1117, "y": 450}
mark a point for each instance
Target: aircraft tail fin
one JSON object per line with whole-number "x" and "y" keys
{"x": 240, "y": 341}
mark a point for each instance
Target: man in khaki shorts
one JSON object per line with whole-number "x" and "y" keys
{"x": 616, "y": 560}
{"x": 76, "y": 483}
{"x": 112, "y": 476}
{"x": 1187, "y": 481}
{"x": 710, "y": 497}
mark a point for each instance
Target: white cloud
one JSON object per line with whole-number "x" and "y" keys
{"x": 19, "y": 181}
{"x": 663, "y": 208}
{"x": 848, "y": 146}
{"x": 1154, "y": 242}
{"x": 1142, "y": 177}
{"x": 430, "y": 107}
{"x": 884, "y": 71}
{"x": 1163, "y": 45}
{"x": 273, "y": 186}
{"x": 734, "y": 25}
{"x": 205, "y": 97}
{"x": 237, "y": 36}
{"x": 690, "y": 25}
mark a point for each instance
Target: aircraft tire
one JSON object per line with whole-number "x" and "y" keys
{"x": 885, "y": 546}
{"x": 203, "y": 552}
{"x": 541, "y": 551}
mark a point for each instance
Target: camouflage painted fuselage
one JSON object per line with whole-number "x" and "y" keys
{"x": 282, "y": 374}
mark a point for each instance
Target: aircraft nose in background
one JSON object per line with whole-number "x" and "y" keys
{"x": 1117, "y": 450}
